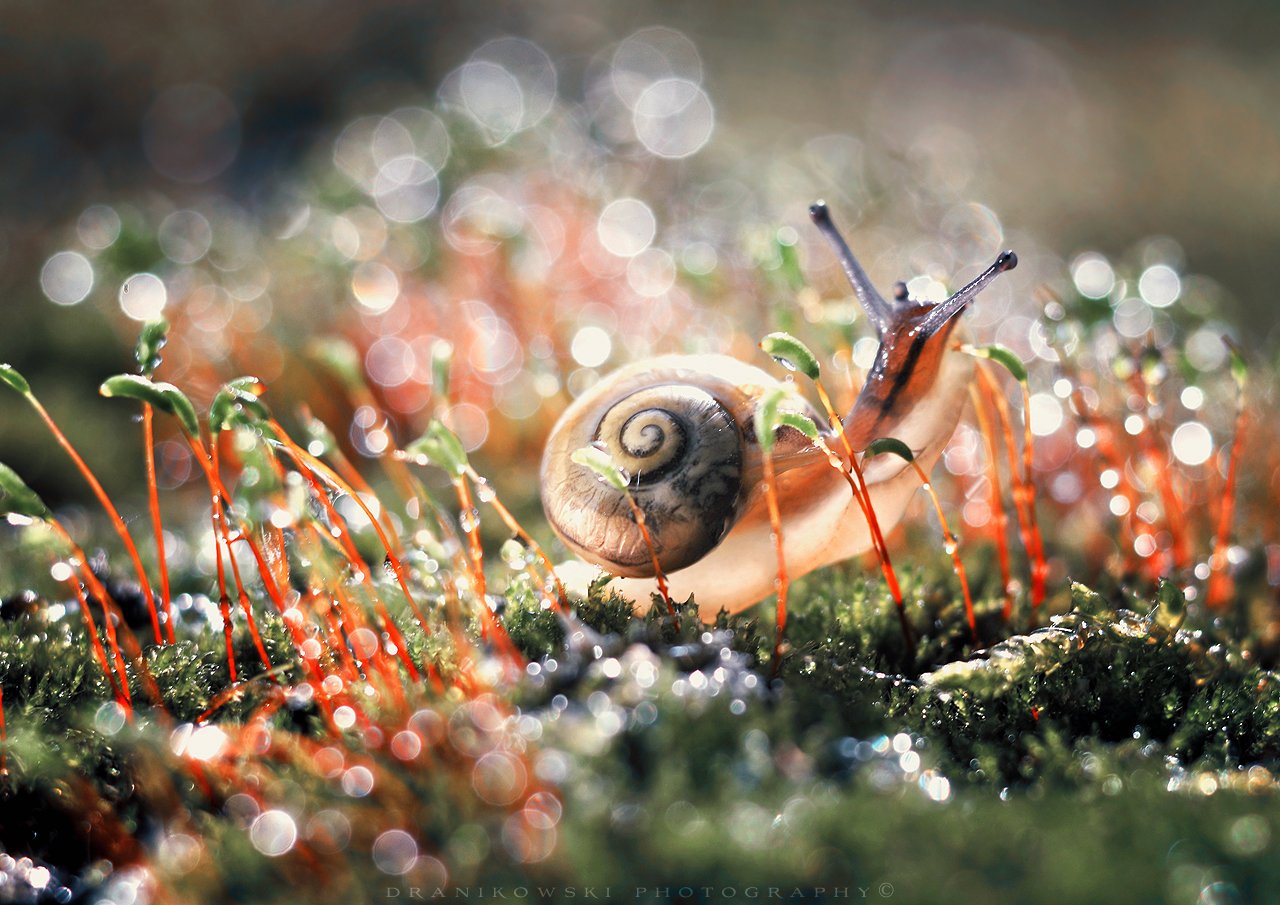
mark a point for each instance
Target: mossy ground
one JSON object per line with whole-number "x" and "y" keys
{"x": 1115, "y": 754}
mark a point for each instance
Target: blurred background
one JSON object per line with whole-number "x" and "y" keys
{"x": 519, "y": 179}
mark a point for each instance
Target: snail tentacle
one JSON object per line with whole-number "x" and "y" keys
{"x": 943, "y": 312}
{"x": 880, "y": 311}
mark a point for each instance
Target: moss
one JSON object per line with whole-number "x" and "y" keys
{"x": 1072, "y": 760}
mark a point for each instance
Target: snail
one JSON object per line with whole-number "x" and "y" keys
{"x": 680, "y": 428}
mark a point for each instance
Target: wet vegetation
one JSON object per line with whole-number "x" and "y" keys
{"x": 306, "y": 636}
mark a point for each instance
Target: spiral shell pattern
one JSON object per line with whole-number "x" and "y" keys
{"x": 682, "y": 449}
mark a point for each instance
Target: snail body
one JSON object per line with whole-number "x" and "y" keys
{"x": 681, "y": 429}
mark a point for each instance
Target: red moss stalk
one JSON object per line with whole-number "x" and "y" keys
{"x": 998, "y": 515}
{"x": 781, "y": 582}
{"x": 1039, "y": 564}
{"x": 153, "y": 499}
{"x": 362, "y": 568}
{"x": 215, "y": 514}
{"x": 470, "y": 519}
{"x": 116, "y": 521}
{"x": 1220, "y": 583}
{"x": 243, "y": 596}
{"x": 1155, "y": 448}
{"x": 953, "y": 549}
{"x": 561, "y": 601}
{"x": 1021, "y": 496}
{"x": 858, "y": 485}
{"x": 120, "y": 679}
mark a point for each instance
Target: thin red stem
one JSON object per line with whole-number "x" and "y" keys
{"x": 561, "y": 601}
{"x": 863, "y": 496}
{"x": 470, "y": 518}
{"x": 1220, "y": 577}
{"x": 116, "y": 521}
{"x": 953, "y": 548}
{"x": 998, "y": 514}
{"x": 638, "y": 514}
{"x": 1026, "y": 518}
{"x": 781, "y": 583}
{"x": 215, "y": 513}
{"x": 153, "y": 498}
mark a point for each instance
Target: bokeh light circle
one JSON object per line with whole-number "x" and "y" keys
{"x": 674, "y": 118}
{"x": 395, "y": 852}
{"x": 66, "y": 278}
{"x": 273, "y": 833}
{"x": 143, "y": 296}
{"x": 626, "y": 227}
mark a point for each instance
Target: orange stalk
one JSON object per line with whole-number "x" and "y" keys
{"x": 91, "y": 628}
{"x": 116, "y": 521}
{"x": 561, "y": 601}
{"x": 638, "y": 514}
{"x": 470, "y": 520}
{"x": 310, "y": 462}
{"x": 1025, "y": 517}
{"x": 780, "y": 581}
{"x": 219, "y": 492}
{"x": 244, "y": 598}
{"x": 153, "y": 498}
{"x": 1039, "y": 565}
{"x": 352, "y": 554}
{"x": 1219, "y": 576}
{"x": 95, "y": 642}
{"x": 357, "y": 481}
{"x": 858, "y": 485}
{"x": 953, "y": 548}
{"x": 998, "y": 514}
{"x": 1155, "y": 449}
{"x": 120, "y": 680}
{"x": 215, "y": 513}
{"x": 1111, "y": 456}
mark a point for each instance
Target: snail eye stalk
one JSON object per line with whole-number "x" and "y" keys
{"x": 880, "y": 311}
{"x": 941, "y": 313}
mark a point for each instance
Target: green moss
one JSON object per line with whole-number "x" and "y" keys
{"x": 1071, "y": 760}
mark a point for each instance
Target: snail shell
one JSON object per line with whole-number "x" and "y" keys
{"x": 682, "y": 429}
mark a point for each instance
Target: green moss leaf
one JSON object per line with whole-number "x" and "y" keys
{"x": 10, "y": 376}
{"x": 441, "y": 365}
{"x": 164, "y": 396}
{"x": 1239, "y": 367}
{"x": 890, "y": 445}
{"x": 340, "y": 357}
{"x": 803, "y": 423}
{"x": 1090, "y": 602}
{"x": 235, "y": 402}
{"x": 768, "y": 418}
{"x": 1001, "y": 355}
{"x": 791, "y": 354}
{"x": 602, "y": 464}
{"x": 441, "y": 447}
{"x": 150, "y": 341}
{"x": 1171, "y": 605}
{"x": 16, "y": 498}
